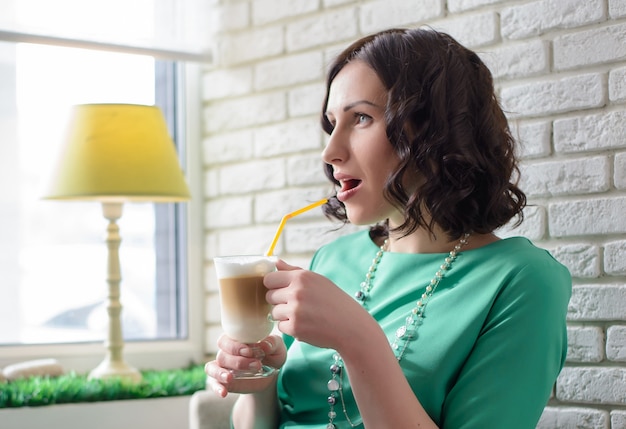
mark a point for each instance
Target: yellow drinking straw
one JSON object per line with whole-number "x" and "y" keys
{"x": 289, "y": 216}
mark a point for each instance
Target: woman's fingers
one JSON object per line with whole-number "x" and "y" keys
{"x": 218, "y": 378}
{"x": 222, "y": 382}
{"x": 282, "y": 277}
{"x": 269, "y": 345}
{"x": 284, "y": 266}
{"x": 216, "y": 372}
{"x": 235, "y": 355}
{"x": 230, "y": 346}
{"x": 275, "y": 352}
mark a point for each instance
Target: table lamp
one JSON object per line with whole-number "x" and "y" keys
{"x": 116, "y": 153}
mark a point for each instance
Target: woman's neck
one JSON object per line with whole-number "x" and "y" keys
{"x": 423, "y": 241}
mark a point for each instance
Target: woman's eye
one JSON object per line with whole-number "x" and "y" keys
{"x": 362, "y": 118}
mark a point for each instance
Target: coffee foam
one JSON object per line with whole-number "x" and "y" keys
{"x": 234, "y": 266}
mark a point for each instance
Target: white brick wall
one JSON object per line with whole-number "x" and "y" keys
{"x": 381, "y": 14}
{"x": 586, "y": 344}
{"x": 580, "y": 49}
{"x": 590, "y": 132}
{"x": 560, "y": 69}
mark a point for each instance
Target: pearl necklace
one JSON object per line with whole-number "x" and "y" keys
{"x": 403, "y": 335}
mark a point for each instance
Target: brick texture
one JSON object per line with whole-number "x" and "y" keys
{"x": 573, "y": 417}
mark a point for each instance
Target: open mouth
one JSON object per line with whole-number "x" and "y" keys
{"x": 348, "y": 188}
{"x": 347, "y": 185}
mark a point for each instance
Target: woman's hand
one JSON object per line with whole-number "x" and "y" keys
{"x": 310, "y": 307}
{"x": 233, "y": 355}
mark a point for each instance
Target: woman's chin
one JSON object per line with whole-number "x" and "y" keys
{"x": 359, "y": 218}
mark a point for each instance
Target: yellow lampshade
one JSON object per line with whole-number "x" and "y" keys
{"x": 117, "y": 153}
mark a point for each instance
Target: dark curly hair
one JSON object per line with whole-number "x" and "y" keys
{"x": 447, "y": 127}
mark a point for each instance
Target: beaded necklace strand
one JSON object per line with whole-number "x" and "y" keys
{"x": 403, "y": 335}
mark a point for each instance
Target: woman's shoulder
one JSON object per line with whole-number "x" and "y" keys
{"x": 525, "y": 263}
{"x": 517, "y": 250}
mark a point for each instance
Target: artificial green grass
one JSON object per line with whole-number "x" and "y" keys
{"x": 73, "y": 388}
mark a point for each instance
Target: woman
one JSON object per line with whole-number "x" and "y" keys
{"x": 428, "y": 319}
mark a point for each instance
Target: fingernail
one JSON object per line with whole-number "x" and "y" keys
{"x": 256, "y": 365}
{"x": 224, "y": 376}
{"x": 218, "y": 390}
{"x": 246, "y": 352}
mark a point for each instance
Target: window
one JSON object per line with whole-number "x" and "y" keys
{"x": 52, "y": 254}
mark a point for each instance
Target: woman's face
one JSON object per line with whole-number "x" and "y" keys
{"x": 358, "y": 149}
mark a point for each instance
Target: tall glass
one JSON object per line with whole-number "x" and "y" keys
{"x": 245, "y": 313}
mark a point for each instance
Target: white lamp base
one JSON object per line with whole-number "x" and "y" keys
{"x": 108, "y": 369}
{"x": 113, "y": 364}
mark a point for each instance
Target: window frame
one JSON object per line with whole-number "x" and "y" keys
{"x": 155, "y": 354}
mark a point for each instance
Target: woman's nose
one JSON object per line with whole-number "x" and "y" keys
{"x": 334, "y": 152}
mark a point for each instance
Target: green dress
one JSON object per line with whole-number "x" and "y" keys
{"x": 487, "y": 354}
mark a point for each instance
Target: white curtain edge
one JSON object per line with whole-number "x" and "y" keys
{"x": 166, "y": 54}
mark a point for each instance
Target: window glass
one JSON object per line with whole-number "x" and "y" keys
{"x": 52, "y": 253}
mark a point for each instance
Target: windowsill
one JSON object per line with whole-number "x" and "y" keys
{"x": 153, "y": 413}
{"x": 159, "y": 401}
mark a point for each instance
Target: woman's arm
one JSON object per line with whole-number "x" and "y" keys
{"x": 507, "y": 377}
{"x": 511, "y": 370}
{"x": 257, "y": 406}
{"x": 380, "y": 388}
{"x": 256, "y": 410}
{"x": 312, "y": 309}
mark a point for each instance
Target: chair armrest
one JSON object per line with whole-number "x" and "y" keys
{"x": 208, "y": 411}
